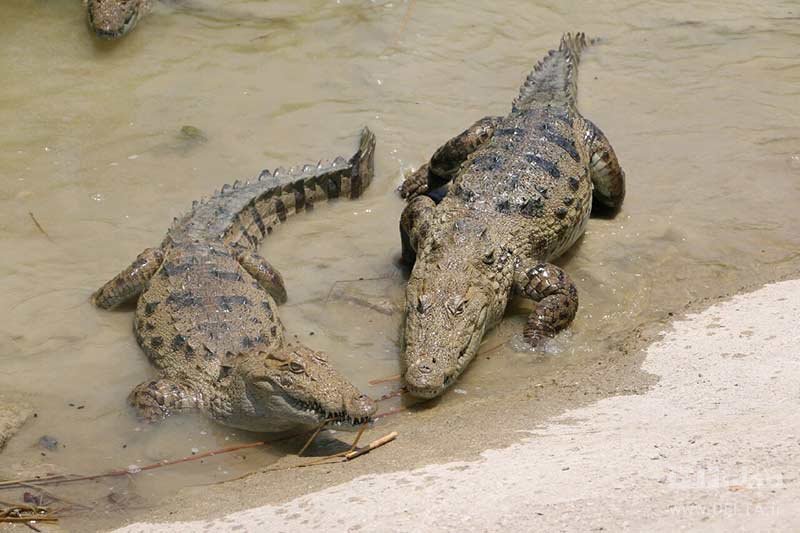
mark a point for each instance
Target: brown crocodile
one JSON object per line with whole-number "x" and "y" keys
{"x": 489, "y": 212}
{"x": 111, "y": 19}
{"x": 206, "y": 314}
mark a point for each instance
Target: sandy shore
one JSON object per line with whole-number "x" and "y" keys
{"x": 713, "y": 445}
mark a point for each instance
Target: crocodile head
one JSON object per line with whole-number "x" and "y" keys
{"x": 111, "y": 19}
{"x": 457, "y": 291}
{"x": 449, "y": 306}
{"x": 292, "y": 388}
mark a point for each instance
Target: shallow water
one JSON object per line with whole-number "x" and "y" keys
{"x": 700, "y": 103}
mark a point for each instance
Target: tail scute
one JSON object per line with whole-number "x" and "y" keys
{"x": 362, "y": 163}
{"x": 554, "y": 78}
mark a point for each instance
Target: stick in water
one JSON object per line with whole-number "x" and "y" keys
{"x": 311, "y": 439}
{"x": 396, "y": 377}
{"x": 386, "y": 439}
{"x": 39, "y": 226}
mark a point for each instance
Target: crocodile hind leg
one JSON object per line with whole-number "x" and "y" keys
{"x": 448, "y": 158}
{"x": 556, "y": 300}
{"x": 267, "y": 275}
{"x": 415, "y": 222}
{"x": 157, "y": 399}
{"x": 129, "y": 283}
{"x": 605, "y": 171}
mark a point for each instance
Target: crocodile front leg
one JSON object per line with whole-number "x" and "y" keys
{"x": 605, "y": 171}
{"x": 267, "y": 275}
{"x": 556, "y": 297}
{"x": 157, "y": 399}
{"x": 415, "y": 222}
{"x": 448, "y": 158}
{"x": 129, "y": 283}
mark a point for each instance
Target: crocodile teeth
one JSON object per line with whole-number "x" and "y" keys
{"x": 279, "y": 171}
{"x": 225, "y": 188}
{"x": 237, "y": 184}
{"x": 307, "y": 169}
{"x": 339, "y": 161}
{"x": 264, "y": 174}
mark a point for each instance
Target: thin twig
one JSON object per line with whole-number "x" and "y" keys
{"x": 386, "y": 439}
{"x": 37, "y": 518}
{"x": 396, "y": 377}
{"x": 33, "y": 527}
{"x": 493, "y": 348}
{"x": 338, "y": 281}
{"x": 352, "y": 453}
{"x": 341, "y": 457}
{"x": 358, "y": 438}
{"x": 51, "y": 495}
{"x": 390, "y": 395}
{"x": 125, "y": 471}
{"x": 391, "y": 412}
{"x": 404, "y": 22}
{"x": 16, "y": 483}
{"x": 39, "y": 226}
{"x": 311, "y": 439}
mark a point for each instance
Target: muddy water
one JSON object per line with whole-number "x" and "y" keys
{"x": 700, "y": 102}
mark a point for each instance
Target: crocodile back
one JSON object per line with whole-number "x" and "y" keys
{"x": 533, "y": 171}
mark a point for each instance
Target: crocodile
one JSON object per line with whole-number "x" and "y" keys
{"x": 112, "y": 19}
{"x": 206, "y": 309}
{"x": 490, "y": 211}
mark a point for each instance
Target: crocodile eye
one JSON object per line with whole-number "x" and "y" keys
{"x": 488, "y": 257}
{"x": 296, "y": 367}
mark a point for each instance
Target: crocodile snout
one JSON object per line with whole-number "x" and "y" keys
{"x": 424, "y": 380}
{"x": 361, "y": 406}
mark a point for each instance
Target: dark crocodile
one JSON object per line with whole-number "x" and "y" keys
{"x": 206, "y": 314}
{"x": 112, "y": 19}
{"x": 490, "y": 211}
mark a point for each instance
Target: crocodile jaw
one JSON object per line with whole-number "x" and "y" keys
{"x": 279, "y": 405}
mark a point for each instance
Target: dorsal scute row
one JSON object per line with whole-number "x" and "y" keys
{"x": 554, "y": 78}
{"x": 221, "y": 208}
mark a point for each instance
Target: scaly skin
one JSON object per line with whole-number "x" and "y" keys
{"x": 206, "y": 313}
{"x": 112, "y": 19}
{"x": 488, "y": 212}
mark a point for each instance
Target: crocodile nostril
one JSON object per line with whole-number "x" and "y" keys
{"x": 425, "y": 369}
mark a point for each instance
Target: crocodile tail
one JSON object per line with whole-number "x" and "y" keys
{"x": 243, "y": 214}
{"x": 554, "y": 78}
{"x": 269, "y": 201}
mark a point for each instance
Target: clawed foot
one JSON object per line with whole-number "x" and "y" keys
{"x": 415, "y": 183}
{"x": 155, "y": 400}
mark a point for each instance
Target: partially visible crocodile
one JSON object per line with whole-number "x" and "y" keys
{"x": 111, "y": 19}
{"x": 206, "y": 313}
{"x": 489, "y": 211}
